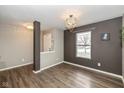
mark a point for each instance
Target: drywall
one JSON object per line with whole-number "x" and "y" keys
{"x": 16, "y": 46}
{"x": 56, "y": 56}
{"x": 108, "y": 53}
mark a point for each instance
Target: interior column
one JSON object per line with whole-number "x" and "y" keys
{"x": 36, "y": 44}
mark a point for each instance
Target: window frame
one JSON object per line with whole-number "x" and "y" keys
{"x": 90, "y": 45}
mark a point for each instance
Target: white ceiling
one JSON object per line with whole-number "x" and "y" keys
{"x": 50, "y": 16}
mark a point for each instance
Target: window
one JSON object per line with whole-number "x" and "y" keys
{"x": 83, "y": 44}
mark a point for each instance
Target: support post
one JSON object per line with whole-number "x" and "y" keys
{"x": 36, "y": 44}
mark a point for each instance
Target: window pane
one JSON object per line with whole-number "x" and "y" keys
{"x": 83, "y": 43}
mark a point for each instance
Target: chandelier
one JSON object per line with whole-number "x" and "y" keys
{"x": 71, "y": 22}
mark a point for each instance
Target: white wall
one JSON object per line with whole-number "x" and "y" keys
{"x": 55, "y": 56}
{"x": 16, "y": 43}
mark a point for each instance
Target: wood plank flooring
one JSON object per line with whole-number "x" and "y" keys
{"x": 60, "y": 76}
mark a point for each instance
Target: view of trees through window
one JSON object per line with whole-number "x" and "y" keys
{"x": 83, "y": 44}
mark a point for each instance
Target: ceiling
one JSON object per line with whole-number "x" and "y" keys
{"x": 51, "y": 16}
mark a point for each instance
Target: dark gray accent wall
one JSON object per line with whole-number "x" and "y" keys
{"x": 108, "y": 53}
{"x": 36, "y": 44}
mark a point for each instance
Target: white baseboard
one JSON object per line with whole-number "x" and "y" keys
{"x": 123, "y": 80}
{"x": 37, "y": 71}
{"x": 96, "y": 70}
{"x": 51, "y": 66}
{"x": 47, "y": 67}
{"x": 8, "y": 68}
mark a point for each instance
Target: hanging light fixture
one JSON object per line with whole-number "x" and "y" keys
{"x": 71, "y": 22}
{"x": 71, "y": 18}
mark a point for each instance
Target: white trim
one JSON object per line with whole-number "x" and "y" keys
{"x": 47, "y": 67}
{"x": 15, "y": 66}
{"x": 37, "y": 71}
{"x": 51, "y": 66}
{"x": 96, "y": 70}
{"x": 123, "y": 80}
{"x": 47, "y": 52}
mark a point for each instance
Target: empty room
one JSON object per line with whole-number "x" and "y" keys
{"x": 61, "y": 46}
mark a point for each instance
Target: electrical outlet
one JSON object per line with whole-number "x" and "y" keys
{"x": 98, "y": 64}
{"x": 23, "y": 59}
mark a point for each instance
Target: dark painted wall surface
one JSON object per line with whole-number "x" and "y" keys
{"x": 36, "y": 41}
{"x": 108, "y": 53}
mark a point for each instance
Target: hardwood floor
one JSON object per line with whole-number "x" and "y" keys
{"x": 60, "y": 76}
